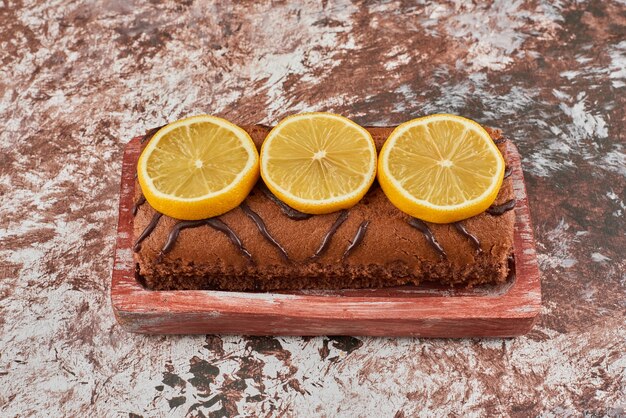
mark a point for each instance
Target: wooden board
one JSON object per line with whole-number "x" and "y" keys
{"x": 505, "y": 310}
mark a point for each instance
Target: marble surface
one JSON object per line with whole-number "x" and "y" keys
{"x": 79, "y": 79}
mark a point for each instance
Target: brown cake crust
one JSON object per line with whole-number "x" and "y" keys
{"x": 391, "y": 252}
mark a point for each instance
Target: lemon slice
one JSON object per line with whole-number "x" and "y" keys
{"x": 440, "y": 168}
{"x": 198, "y": 167}
{"x": 318, "y": 162}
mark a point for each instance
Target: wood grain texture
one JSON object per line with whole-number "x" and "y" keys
{"x": 506, "y": 310}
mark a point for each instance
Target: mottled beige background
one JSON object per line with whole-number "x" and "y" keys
{"x": 79, "y": 79}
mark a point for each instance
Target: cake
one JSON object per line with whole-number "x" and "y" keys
{"x": 265, "y": 245}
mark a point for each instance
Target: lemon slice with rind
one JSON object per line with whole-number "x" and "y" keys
{"x": 318, "y": 162}
{"x": 197, "y": 168}
{"x": 440, "y": 168}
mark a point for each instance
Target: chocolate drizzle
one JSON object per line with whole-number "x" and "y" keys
{"x": 424, "y": 229}
{"x": 214, "y": 223}
{"x": 149, "y": 134}
{"x": 497, "y": 210}
{"x": 139, "y": 202}
{"x": 501, "y": 140}
{"x": 286, "y": 209}
{"x": 358, "y": 237}
{"x": 507, "y": 172}
{"x": 218, "y": 225}
{"x": 329, "y": 235}
{"x": 175, "y": 232}
{"x": 463, "y": 231}
{"x": 262, "y": 228}
{"x": 146, "y": 232}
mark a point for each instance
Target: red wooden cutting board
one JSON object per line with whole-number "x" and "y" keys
{"x": 505, "y": 310}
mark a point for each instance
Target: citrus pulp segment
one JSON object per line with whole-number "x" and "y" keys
{"x": 440, "y": 168}
{"x": 318, "y": 162}
{"x": 197, "y": 168}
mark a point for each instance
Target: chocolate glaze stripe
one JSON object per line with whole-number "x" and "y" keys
{"x": 219, "y": 225}
{"x": 497, "y": 210}
{"x": 501, "y": 140}
{"x": 358, "y": 238}
{"x": 286, "y": 209}
{"x": 507, "y": 172}
{"x": 424, "y": 229}
{"x": 329, "y": 235}
{"x": 175, "y": 232}
{"x": 214, "y": 223}
{"x": 146, "y": 232}
{"x": 463, "y": 231}
{"x": 139, "y": 202}
{"x": 256, "y": 218}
